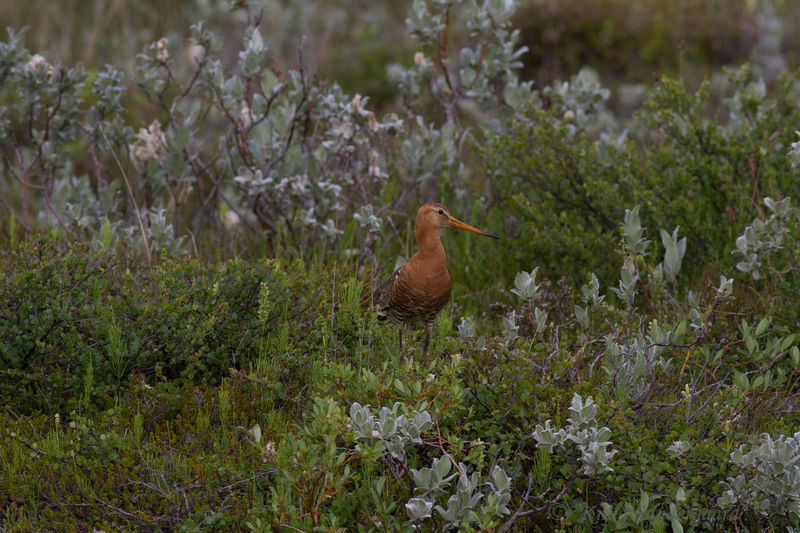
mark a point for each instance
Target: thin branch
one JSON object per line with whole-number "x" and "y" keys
{"x": 123, "y": 511}
{"x": 130, "y": 195}
{"x": 60, "y": 220}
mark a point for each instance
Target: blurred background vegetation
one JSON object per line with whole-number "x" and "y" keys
{"x": 353, "y": 41}
{"x": 623, "y": 49}
{"x": 630, "y": 44}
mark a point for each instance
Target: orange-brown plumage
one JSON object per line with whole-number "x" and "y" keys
{"x": 418, "y": 290}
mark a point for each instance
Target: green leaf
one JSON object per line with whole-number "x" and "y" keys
{"x": 787, "y": 341}
{"x": 500, "y": 479}
{"x": 181, "y": 137}
{"x": 512, "y": 96}
{"x": 268, "y": 81}
{"x": 468, "y": 75}
{"x": 751, "y": 344}
{"x": 443, "y": 467}
{"x": 644, "y": 502}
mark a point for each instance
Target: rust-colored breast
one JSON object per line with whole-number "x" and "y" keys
{"x": 416, "y": 292}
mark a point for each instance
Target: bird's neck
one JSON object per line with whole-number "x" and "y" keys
{"x": 430, "y": 245}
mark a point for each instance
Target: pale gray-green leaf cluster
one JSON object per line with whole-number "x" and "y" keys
{"x": 510, "y": 328}
{"x": 627, "y": 282}
{"x": 525, "y": 284}
{"x": 367, "y": 219}
{"x": 679, "y": 448}
{"x": 466, "y": 328}
{"x": 580, "y": 98}
{"x": 767, "y": 479}
{"x": 674, "y": 250}
{"x": 763, "y": 238}
{"x": 634, "y": 242}
{"x": 392, "y": 429}
{"x": 466, "y": 493}
{"x": 581, "y": 436}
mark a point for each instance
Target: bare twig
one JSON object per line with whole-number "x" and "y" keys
{"x": 132, "y": 197}
{"x": 123, "y": 511}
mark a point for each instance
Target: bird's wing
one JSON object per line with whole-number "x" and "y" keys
{"x": 386, "y": 292}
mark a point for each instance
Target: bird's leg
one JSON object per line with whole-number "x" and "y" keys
{"x": 428, "y": 329}
{"x": 400, "y": 336}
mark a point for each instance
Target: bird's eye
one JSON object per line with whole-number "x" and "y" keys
{"x": 441, "y": 211}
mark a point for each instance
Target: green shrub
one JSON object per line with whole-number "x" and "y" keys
{"x": 697, "y": 167}
{"x": 77, "y": 324}
{"x": 491, "y": 432}
{"x": 566, "y": 194}
{"x": 53, "y": 296}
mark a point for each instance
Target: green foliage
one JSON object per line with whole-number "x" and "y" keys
{"x": 622, "y": 419}
{"x": 566, "y": 191}
{"x": 239, "y": 146}
{"x": 763, "y": 240}
{"x": 767, "y": 481}
{"x": 78, "y": 324}
{"x": 651, "y": 386}
{"x": 695, "y": 166}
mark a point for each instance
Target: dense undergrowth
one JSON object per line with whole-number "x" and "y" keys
{"x": 707, "y": 176}
{"x": 229, "y": 396}
{"x": 188, "y": 337}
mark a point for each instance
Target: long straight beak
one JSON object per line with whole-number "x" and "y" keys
{"x": 454, "y": 222}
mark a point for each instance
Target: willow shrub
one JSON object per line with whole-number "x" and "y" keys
{"x": 688, "y": 163}
{"x": 76, "y": 324}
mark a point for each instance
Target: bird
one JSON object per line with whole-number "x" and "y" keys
{"x": 419, "y": 289}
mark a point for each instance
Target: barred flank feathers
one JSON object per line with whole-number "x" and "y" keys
{"x": 402, "y": 304}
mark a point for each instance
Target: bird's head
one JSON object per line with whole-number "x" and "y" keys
{"x": 433, "y": 217}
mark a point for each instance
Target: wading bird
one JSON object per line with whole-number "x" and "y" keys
{"x": 418, "y": 290}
